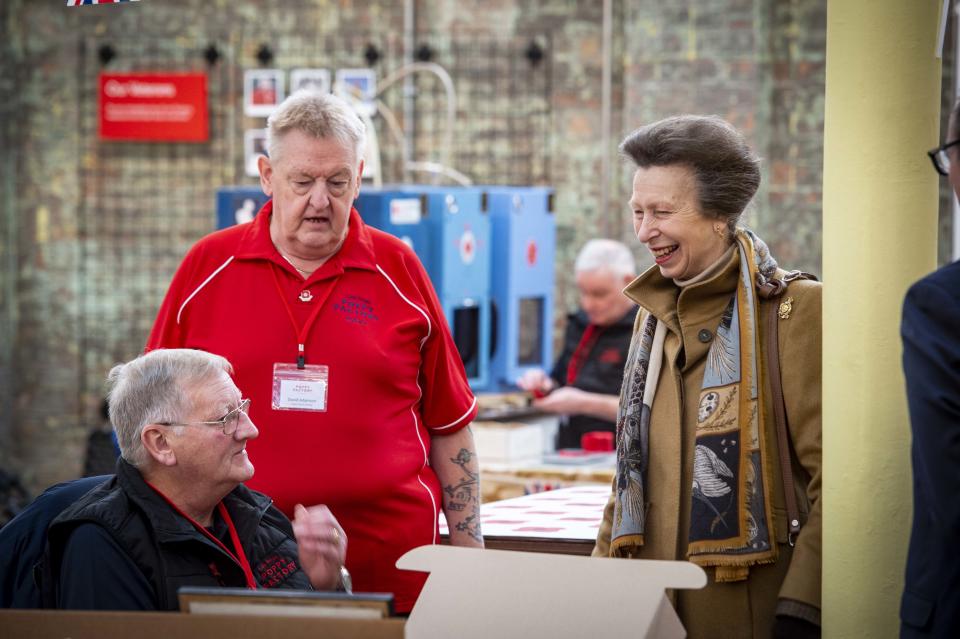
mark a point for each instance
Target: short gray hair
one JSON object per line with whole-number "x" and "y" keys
{"x": 609, "y": 254}
{"x": 321, "y": 115}
{"x": 156, "y": 388}
{"x": 726, "y": 169}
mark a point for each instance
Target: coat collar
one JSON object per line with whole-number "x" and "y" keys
{"x": 697, "y": 302}
{"x": 245, "y": 506}
{"x": 357, "y": 251}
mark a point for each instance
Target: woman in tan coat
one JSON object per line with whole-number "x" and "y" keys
{"x": 698, "y": 473}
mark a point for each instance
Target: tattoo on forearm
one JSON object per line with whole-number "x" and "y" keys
{"x": 464, "y": 495}
{"x": 471, "y": 526}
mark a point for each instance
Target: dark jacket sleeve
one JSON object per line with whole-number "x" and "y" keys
{"x": 96, "y": 574}
{"x": 931, "y": 365}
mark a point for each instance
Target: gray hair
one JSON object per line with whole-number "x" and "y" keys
{"x": 321, "y": 115}
{"x": 726, "y": 170}
{"x": 609, "y": 254}
{"x": 155, "y": 388}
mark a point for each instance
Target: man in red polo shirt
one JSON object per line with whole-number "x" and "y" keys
{"x": 338, "y": 338}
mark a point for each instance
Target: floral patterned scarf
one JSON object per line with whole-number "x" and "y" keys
{"x": 730, "y": 517}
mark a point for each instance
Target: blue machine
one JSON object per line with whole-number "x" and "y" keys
{"x": 398, "y": 212}
{"x": 449, "y": 230}
{"x": 238, "y": 204}
{"x": 522, "y": 281}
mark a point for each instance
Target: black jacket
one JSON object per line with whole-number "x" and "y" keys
{"x": 164, "y": 547}
{"x": 22, "y": 541}
{"x": 931, "y": 364}
{"x": 602, "y": 370}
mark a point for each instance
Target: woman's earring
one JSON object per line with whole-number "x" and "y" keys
{"x": 719, "y": 230}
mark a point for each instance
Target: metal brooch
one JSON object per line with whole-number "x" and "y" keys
{"x": 785, "y": 308}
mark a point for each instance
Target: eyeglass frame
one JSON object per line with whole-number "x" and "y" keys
{"x": 243, "y": 407}
{"x": 933, "y": 153}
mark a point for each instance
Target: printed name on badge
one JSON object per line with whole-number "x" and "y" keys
{"x": 300, "y": 388}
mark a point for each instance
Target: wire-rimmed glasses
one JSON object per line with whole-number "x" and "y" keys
{"x": 228, "y": 423}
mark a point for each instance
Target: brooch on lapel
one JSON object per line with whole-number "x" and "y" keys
{"x": 785, "y": 308}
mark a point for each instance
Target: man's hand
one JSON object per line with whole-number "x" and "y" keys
{"x": 565, "y": 401}
{"x": 536, "y": 381}
{"x": 322, "y": 545}
{"x": 568, "y": 400}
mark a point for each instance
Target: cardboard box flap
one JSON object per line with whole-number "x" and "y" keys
{"x": 490, "y": 593}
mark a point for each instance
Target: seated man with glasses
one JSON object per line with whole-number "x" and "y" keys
{"x": 177, "y": 513}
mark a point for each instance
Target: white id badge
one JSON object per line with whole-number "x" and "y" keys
{"x": 300, "y": 388}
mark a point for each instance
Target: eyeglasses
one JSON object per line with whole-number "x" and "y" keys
{"x": 940, "y": 158}
{"x": 229, "y": 422}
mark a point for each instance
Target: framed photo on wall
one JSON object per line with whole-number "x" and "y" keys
{"x": 254, "y": 145}
{"x": 358, "y": 86}
{"x": 262, "y": 91}
{"x": 313, "y": 79}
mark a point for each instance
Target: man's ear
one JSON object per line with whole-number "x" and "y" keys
{"x": 356, "y": 187}
{"x": 157, "y": 444}
{"x": 266, "y": 175}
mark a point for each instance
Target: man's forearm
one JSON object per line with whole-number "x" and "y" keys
{"x": 603, "y": 406}
{"x": 454, "y": 460}
{"x": 568, "y": 400}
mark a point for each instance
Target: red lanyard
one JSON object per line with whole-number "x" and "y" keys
{"x": 301, "y": 333}
{"x": 590, "y": 336}
{"x": 240, "y": 558}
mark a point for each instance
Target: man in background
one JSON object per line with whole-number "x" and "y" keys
{"x": 584, "y": 384}
{"x": 931, "y": 364}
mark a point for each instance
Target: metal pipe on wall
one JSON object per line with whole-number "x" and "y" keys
{"x": 409, "y": 42}
{"x": 606, "y": 107}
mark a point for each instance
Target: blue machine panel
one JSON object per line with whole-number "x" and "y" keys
{"x": 399, "y": 213}
{"x": 238, "y": 204}
{"x": 522, "y": 281}
{"x": 450, "y": 233}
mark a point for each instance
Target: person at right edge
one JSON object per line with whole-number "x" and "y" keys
{"x": 698, "y": 473}
{"x": 930, "y": 329}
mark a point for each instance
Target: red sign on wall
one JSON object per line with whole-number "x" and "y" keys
{"x": 154, "y": 107}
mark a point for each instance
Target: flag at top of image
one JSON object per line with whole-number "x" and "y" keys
{"x": 77, "y": 3}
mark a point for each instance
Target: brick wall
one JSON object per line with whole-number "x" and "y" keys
{"x": 65, "y": 312}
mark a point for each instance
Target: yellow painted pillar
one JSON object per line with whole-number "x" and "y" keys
{"x": 879, "y": 235}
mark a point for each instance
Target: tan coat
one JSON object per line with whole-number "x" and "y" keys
{"x": 744, "y": 608}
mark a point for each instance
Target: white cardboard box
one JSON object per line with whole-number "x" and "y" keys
{"x": 477, "y": 594}
{"x": 508, "y": 442}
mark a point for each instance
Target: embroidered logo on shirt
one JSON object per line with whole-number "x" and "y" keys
{"x": 274, "y": 570}
{"x": 356, "y": 309}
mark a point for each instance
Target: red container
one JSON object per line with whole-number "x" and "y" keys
{"x": 597, "y": 441}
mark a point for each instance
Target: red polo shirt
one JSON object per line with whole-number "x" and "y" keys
{"x": 395, "y": 380}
